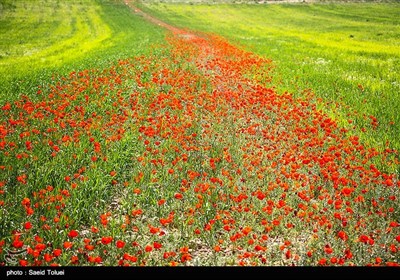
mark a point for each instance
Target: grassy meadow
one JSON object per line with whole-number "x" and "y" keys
{"x": 238, "y": 135}
{"x": 40, "y": 39}
{"x": 347, "y": 53}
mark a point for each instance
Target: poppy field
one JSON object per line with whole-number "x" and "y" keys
{"x": 186, "y": 154}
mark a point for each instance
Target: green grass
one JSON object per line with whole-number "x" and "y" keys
{"x": 347, "y": 53}
{"x": 42, "y": 38}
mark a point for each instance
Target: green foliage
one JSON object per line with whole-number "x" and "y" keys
{"x": 40, "y": 39}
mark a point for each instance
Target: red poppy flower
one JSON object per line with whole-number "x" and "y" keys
{"x": 6, "y": 107}
{"x": 148, "y": 248}
{"x": 364, "y": 238}
{"x": 28, "y": 225}
{"x": 120, "y": 244}
{"x": 154, "y": 230}
{"x": 18, "y": 243}
{"x": 67, "y": 244}
{"x": 89, "y": 247}
{"x": 128, "y": 257}
{"x": 394, "y": 224}
{"x": 137, "y": 191}
{"x": 26, "y": 201}
{"x": 57, "y": 252}
{"x": 246, "y": 230}
{"x": 328, "y": 249}
{"x": 157, "y": 245}
{"x": 322, "y": 261}
{"x": 186, "y": 257}
{"x": 73, "y": 233}
{"x": 342, "y": 235}
{"x": 106, "y": 240}
{"x": 47, "y": 257}
{"x": 259, "y": 248}
{"x": 161, "y": 202}
{"x": 74, "y": 259}
{"x": 178, "y": 196}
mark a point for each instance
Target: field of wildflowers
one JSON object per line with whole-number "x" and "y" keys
{"x": 184, "y": 157}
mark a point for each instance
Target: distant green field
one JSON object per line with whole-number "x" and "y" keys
{"x": 346, "y": 53}
{"x": 40, "y": 38}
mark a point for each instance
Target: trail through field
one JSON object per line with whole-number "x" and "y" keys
{"x": 284, "y": 143}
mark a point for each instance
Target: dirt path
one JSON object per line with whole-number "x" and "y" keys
{"x": 153, "y": 19}
{"x": 211, "y": 49}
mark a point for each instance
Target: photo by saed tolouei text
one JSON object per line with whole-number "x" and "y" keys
{"x": 38, "y": 272}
